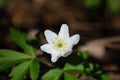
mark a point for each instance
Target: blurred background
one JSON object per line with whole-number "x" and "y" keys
{"x": 97, "y": 22}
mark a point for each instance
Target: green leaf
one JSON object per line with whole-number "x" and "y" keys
{"x": 98, "y": 72}
{"x": 78, "y": 68}
{"x": 113, "y": 5}
{"x": 30, "y": 50}
{"x": 19, "y": 72}
{"x": 92, "y": 3}
{"x": 85, "y": 55}
{"x": 5, "y": 65}
{"x": 20, "y": 39}
{"x": 17, "y": 36}
{"x": 53, "y": 74}
{"x": 87, "y": 70}
{"x": 68, "y": 76}
{"x": 3, "y": 2}
{"x": 104, "y": 77}
{"x": 9, "y": 54}
{"x": 9, "y": 58}
{"x": 34, "y": 69}
{"x": 91, "y": 66}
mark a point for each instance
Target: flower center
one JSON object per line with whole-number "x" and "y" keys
{"x": 59, "y": 44}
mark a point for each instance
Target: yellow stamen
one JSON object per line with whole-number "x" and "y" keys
{"x": 59, "y": 44}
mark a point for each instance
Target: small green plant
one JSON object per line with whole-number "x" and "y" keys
{"x": 22, "y": 62}
{"x": 112, "y": 5}
{"x": 27, "y": 63}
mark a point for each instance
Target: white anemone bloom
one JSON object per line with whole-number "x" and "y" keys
{"x": 59, "y": 45}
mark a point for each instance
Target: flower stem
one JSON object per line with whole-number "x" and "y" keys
{"x": 42, "y": 60}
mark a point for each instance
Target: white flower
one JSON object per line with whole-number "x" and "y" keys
{"x": 59, "y": 45}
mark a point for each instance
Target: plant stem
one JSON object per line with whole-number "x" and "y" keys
{"x": 45, "y": 62}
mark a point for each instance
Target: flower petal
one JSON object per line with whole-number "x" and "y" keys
{"x": 64, "y": 31}
{"x": 74, "y": 39}
{"x": 54, "y": 57}
{"x": 50, "y": 36}
{"x": 47, "y": 48}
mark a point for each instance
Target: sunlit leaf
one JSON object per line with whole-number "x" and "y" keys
{"x": 68, "y": 76}
{"x": 34, "y": 69}
{"x": 53, "y": 74}
{"x": 19, "y": 72}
